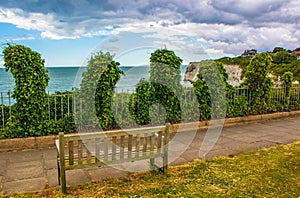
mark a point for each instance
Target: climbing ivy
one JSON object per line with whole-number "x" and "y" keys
{"x": 259, "y": 83}
{"x": 287, "y": 79}
{"x": 31, "y": 80}
{"x": 210, "y": 89}
{"x": 84, "y": 97}
{"x": 163, "y": 88}
{"x": 104, "y": 94}
{"x": 165, "y": 80}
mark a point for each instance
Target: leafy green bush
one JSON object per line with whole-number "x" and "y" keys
{"x": 34, "y": 113}
{"x": 210, "y": 89}
{"x": 84, "y": 97}
{"x": 259, "y": 83}
{"x": 163, "y": 88}
{"x": 104, "y": 94}
{"x": 31, "y": 80}
{"x": 140, "y": 102}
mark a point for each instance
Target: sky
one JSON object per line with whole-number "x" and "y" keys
{"x": 68, "y": 32}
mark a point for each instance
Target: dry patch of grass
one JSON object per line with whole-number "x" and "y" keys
{"x": 272, "y": 172}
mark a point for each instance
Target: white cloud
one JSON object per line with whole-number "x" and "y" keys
{"x": 28, "y": 21}
{"x": 31, "y": 21}
{"x": 25, "y": 38}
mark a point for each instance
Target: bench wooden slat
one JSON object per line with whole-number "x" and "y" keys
{"x": 110, "y": 134}
{"x": 122, "y": 147}
{"x": 137, "y": 145}
{"x": 88, "y": 146}
{"x": 151, "y": 137}
{"x": 105, "y": 150}
{"x": 159, "y": 141}
{"x": 71, "y": 152}
{"x": 97, "y": 150}
{"x": 129, "y": 146}
{"x": 114, "y": 149}
{"x": 145, "y": 144}
{"x": 80, "y": 150}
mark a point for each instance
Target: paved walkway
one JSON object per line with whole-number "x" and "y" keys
{"x": 37, "y": 169}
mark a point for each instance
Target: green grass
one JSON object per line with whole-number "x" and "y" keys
{"x": 273, "y": 172}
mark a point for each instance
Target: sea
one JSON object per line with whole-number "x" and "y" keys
{"x": 65, "y": 78}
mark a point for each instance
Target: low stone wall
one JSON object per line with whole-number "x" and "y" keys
{"x": 44, "y": 142}
{"x": 30, "y": 143}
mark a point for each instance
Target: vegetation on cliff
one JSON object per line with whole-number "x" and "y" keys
{"x": 283, "y": 60}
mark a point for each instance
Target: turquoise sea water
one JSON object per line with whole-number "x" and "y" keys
{"x": 65, "y": 78}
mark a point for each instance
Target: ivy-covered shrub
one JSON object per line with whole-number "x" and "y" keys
{"x": 31, "y": 80}
{"x": 163, "y": 88}
{"x": 210, "y": 89}
{"x": 259, "y": 83}
{"x": 84, "y": 97}
{"x": 140, "y": 102}
{"x": 165, "y": 79}
{"x": 287, "y": 79}
{"x": 104, "y": 94}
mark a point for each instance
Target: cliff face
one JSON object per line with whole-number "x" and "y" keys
{"x": 234, "y": 73}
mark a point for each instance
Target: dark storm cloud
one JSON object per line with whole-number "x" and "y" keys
{"x": 226, "y": 25}
{"x": 205, "y": 11}
{"x": 248, "y": 8}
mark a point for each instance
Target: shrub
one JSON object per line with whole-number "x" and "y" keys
{"x": 210, "y": 89}
{"x": 259, "y": 83}
{"x": 104, "y": 94}
{"x": 163, "y": 88}
{"x": 31, "y": 80}
{"x": 84, "y": 97}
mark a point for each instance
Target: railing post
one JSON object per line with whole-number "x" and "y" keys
{"x": 9, "y": 103}
{"x": 2, "y": 107}
{"x": 62, "y": 106}
{"x": 49, "y": 111}
{"x": 55, "y": 107}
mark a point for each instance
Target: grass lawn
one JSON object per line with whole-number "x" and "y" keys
{"x": 272, "y": 172}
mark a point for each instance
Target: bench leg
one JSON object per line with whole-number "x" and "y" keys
{"x": 165, "y": 165}
{"x": 63, "y": 180}
{"x": 58, "y": 172}
{"x": 62, "y": 164}
{"x": 152, "y": 164}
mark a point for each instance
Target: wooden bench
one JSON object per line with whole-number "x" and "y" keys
{"x": 111, "y": 147}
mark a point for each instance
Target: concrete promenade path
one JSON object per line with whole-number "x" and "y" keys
{"x": 32, "y": 170}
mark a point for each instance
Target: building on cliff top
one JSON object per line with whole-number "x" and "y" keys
{"x": 297, "y": 54}
{"x": 249, "y": 53}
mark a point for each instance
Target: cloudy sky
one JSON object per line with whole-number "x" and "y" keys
{"x": 65, "y": 32}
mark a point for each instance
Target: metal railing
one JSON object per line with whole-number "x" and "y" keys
{"x": 61, "y": 105}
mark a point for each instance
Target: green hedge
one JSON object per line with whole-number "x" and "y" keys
{"x": 156, "y": 101}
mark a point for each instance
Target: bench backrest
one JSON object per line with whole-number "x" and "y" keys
{"x": 108, "y": 147}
